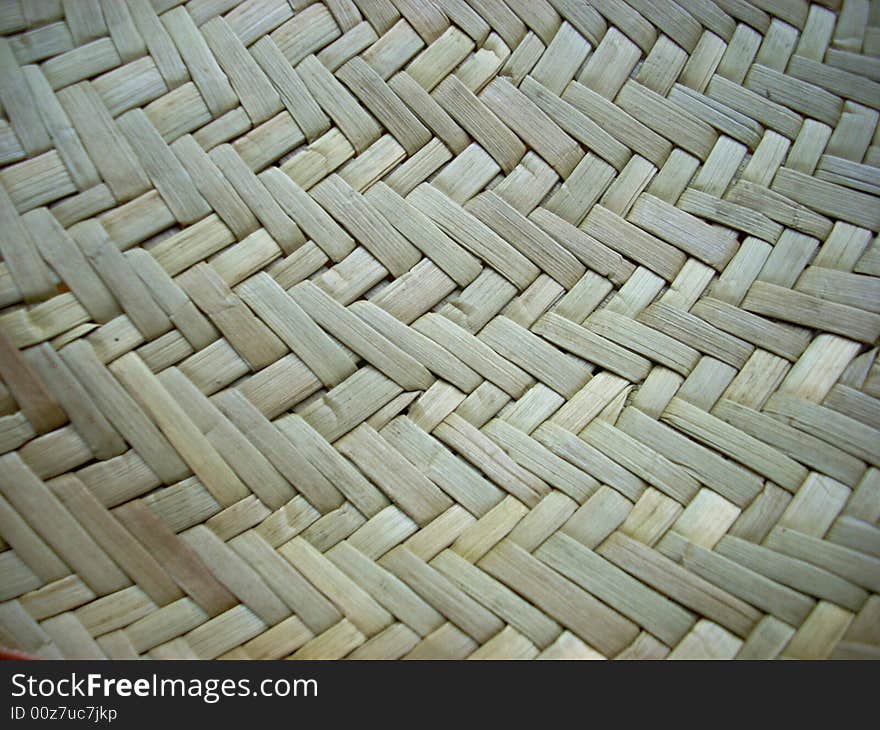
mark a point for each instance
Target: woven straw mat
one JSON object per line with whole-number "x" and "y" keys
{"x": 440, "y": 328}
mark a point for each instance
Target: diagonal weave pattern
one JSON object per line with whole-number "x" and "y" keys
{"x": 440, "y": 328}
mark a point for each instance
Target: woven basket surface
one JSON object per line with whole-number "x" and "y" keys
{"x": 440, "y": 329}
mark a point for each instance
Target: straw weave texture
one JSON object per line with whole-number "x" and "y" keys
{"x": 440, "y": 329}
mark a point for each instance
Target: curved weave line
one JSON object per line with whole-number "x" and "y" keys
{"x": 440, "y": 328}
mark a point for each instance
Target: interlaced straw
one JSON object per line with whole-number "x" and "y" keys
{"x": 440, "y": 328}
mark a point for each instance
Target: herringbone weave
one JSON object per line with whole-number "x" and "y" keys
{"x": 440, "y": 328}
